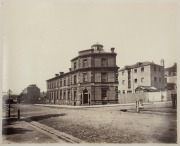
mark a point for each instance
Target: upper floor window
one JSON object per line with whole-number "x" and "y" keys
{"x": 103, "y": 62}
{"x": 75, "y": 79}
{"x": 85, "y": 63}
{"x": 65, "y": 82}
{"x": 135, "y": 70}
{"x": 154, "y": 79}
{"x": 135, "y": 80}
{"x": 75, "y": 65}
{"x": 103, "y": 77}
{"x": 85, "y": 77}
{"x": 142, "y": 69}
{"x": 60, "y": 83}
{"x": 154, "y": 68}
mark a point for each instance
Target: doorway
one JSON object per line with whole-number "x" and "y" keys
{"x": 85, "y": 96}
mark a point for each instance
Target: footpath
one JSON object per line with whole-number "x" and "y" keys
{"x": 97, "y": 106}
{"x": 26, "y": 131}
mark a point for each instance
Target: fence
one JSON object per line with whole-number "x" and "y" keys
{"x": 145, "y": 96}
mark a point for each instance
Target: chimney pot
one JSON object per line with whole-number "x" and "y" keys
{"x": 61, "y": 73}
{"x": 112, "y": 50}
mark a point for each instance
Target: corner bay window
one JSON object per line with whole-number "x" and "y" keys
{"x": 103, "y": 62}
{"x": 85, "y": 77}
{"x": 85, "y": 63}
{"x": 103, "y": 77}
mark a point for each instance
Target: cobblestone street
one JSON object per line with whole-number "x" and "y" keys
{"x": 156, "y": 124}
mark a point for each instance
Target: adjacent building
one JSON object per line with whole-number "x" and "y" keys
{"x": 31, "y": 94}
{"x": 142, "y": 76}
{"x": 92, "y": 79}
{"x": 171, "y": 77}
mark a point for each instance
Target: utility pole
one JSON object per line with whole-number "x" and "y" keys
{"x": 9, "y": 92}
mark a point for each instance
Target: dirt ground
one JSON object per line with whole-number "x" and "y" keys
{"x": 157, "y": 123}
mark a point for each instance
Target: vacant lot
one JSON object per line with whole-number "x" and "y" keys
{"x": 156, "y": 124}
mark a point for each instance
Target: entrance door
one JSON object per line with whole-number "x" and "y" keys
{"x": 85, "y": 96}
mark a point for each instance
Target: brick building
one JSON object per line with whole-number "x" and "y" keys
{"x": 142, "y": 75}
{"x": 92, "y": 79}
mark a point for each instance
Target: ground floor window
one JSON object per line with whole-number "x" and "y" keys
{"x": 104, "y": 93}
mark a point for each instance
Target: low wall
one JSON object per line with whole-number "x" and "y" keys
{"x": 145, "y": 96}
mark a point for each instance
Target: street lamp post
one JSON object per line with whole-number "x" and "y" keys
{"x": 9, "y": 92}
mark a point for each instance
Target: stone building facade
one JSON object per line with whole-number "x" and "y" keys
{"x": 92, "y": 79}
{"x": 146, "y": 74}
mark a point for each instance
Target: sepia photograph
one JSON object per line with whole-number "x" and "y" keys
{"x": 89, "y": 72}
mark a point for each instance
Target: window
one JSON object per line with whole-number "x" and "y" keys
{"x": 123, "y": 82}
{"x": 129, "y": 91}
{"x": 85, "y": 77}
{"x": 65, "y": 82}
{"x": 122, "y": 72}
{"x": 60, "y": 83}
{"x": 123, "y": 91}
{"x": 68, "y": 81}
{"x": 75, "y": 65}
{"x": 135, "y": 80}
{"x": 74, "y": 95}
{"x": 104, "y": 93}
{"x": 103, "y": 77}
{"x": 85, "y": 63}
{"x": 142, "y": 80}
{"x": 64, "y": 96}
{"x": 159, "y": 79}
{"x": 142, "y": 69}
{"x": 154, "y": 79}
{"x": 154, "y": 68}
{"x": 75, "y": 79}
{"x": 103, "y": 62}
{"x": 135, "y": 70}
{"x": 60, "y": 94}
{"x": 68, "y": 94}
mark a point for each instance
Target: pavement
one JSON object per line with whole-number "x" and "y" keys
{"x": 26, "y": 131}
{"x": 96, "y": 106}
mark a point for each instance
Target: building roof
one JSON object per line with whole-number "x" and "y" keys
{"x": 138, "y": 64}
{"x": 172, "y": 69}
{"x": 170, "y": 86}
{"x": 146, "y": 88}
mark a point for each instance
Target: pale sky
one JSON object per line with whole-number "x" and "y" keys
{"x": 40, "y": 37}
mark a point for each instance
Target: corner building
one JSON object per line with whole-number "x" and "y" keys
{"x": 92, "y": 79}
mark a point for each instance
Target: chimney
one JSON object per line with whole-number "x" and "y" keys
{"x": 61, "y": 73}
{"x": 162, "y": 62}
{"x": 112, "y": 50}
{"x": 69, "y": 69}
{"x": 56, "y": 75}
